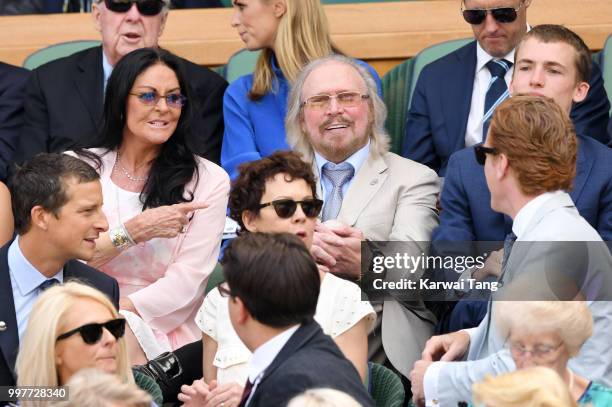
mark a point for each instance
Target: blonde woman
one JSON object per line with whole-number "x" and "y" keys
{"x": 6, "y": 214}
{"x": 73, "y": 327}
{"x": 549, "y": 334}
{"x": 323, "y": 398}
{"x": 533, "y": 387}
{"x": 290, "y": 33}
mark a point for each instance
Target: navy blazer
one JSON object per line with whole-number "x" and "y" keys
{"x": 64, "y": 106}
{"x": 310, "y": 359}
{"x": 12, "y": 92}
{"x": 9, "y": 338}
{"x": 440, "y": 106}
{"x": 466, "y": 201}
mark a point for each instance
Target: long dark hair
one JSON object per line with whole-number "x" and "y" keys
{"x": 176, "y": 163}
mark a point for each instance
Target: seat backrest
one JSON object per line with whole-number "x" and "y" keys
{"x": 396, "y": 85}
{"x": 385, "y": 386}
{"x": 431, "y": 54}
{"x": 55, "y": 51}
{"x": 606, "y": 68}
{"x": 215, "y": 278}
{"x": 241, "y": 63}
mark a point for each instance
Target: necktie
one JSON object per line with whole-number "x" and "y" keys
{"x": 497, "y": 91}
{"x": 338, "y": 175}
{"x": 508, "y": 244}
{"x": 48, "y": 284}
{"x": 246, "y": 393}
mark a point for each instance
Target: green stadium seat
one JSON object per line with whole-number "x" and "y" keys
{"x": 396, "y": 86}
{"x": 606, "y": 67}
{"x": 55, "y": 51}
{"x": 385, "y": 386}
{"x": 215, "y": 278}
{"x": 241, "y": 63}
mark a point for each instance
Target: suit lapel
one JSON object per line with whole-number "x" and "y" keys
{"x": 89, "y": 81}
{"x": 368, "y": 181}
{"x": 458, "y": 96}
{"x": 9, "y": 338}
{"x": 583, "y": 169}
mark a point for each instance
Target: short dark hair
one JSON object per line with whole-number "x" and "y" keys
{"x": 250, "y": 185}
{"x": 42, "y": 181}
{"x": 176, "y": 164}
{"x": 275, "y": 277}
{"x": 548, "y": 33}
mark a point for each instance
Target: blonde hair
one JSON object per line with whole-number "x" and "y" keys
{"x": 323, "y": 398}
{"x": 94, "y": 388}
{"x": 302, "y": 35}
{"x": 300, "y": 141}
{"x": 533, "y": 387}
{"x": 571, "y": 320}
{"x": 36, "y": 359}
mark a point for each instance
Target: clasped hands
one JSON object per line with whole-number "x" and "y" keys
{"x": 336, "y": 248}
{"x": 200, "y": 394}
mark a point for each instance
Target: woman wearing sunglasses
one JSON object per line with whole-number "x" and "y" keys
{"x": 73, "y": 327}
{"x": 290, "y": 34}
{"x": 277, "y": 194}
{"x": 165, "y": 205}
{"x": 549, "y": 334}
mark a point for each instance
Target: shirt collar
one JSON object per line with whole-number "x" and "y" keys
{"x": 526, "y": 213}
{"x": 107, "y": 68}
{"x": 266, "y": 353}
{"x": 27, "y": 277}
{"x": 356, "y": 159}
{"x": 482, "y": 57}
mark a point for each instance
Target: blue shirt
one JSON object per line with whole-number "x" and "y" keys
{"x": 356, "y": 161}
{"x": 256, "y": 129}
{"x": 25, "y": 280}
{"x": 107, "y": 69}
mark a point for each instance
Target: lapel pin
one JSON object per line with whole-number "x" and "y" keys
{"x": 2, "y": 326}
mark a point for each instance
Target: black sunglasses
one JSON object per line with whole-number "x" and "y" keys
{"x": 500, "y": 14}
{"x": 145, "y": 7}
{"x": 285, "y": 208}
{"x": 481, "y": 153}
{"x": 91, "y": 333}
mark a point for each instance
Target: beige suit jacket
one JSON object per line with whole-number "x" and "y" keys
{"x": 392, "y": 198}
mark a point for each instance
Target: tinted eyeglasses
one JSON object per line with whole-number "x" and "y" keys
{"x": 175, "y": 100}
{"x": 224, "y": 290}
{"x": 145, "y": 7}
{"x": 503, "y": 15}
{"x": 285, "y": 208}
{"x": 92, "y": 333}
{"x": 481, "y": 153}
{"x": 344, "y": 99}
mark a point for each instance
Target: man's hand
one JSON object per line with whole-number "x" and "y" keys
{"x": 416, "y": 381}
{"x": 194, "y": 395}
{"x": 226, "y": 395}
{"x": 492, "y": 266}
{"x": 338, "y": 248}
{"x": 446, "y": 348}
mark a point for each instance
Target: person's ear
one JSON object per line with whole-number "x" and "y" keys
{"x": 526, "y": 3}
{"x": 502, "y": 166}
{"x": 249, "y": 220}
{"x": 279, "y": 8}
{"x": 580, "y": 92}
{"x": 242, "y": 314}
{"x": 39, "y": 217}
{"x": 96, "y": 14}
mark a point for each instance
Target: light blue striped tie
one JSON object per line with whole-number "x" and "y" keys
{"x": 338, "y": 175}
{"x": 497, "y": 91}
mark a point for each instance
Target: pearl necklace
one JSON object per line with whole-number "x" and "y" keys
{"x": 125, "y": 172}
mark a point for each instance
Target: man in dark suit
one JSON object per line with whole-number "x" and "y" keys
{"x": 455, "y": 96}
{"x": 57, "y": 204}
{"x": 12, "y": 84}
{"x": 64, "y": 98}
{"x": 273, "y": 286}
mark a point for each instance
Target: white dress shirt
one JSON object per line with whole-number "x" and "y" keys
{"x": 265, "y": 355}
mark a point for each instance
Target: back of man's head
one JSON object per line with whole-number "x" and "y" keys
{"x": 539, "y": 140}
{"x": 43, "y": 181}
{"x": 553, "y": 33}
{"x": 274, "y": 276}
